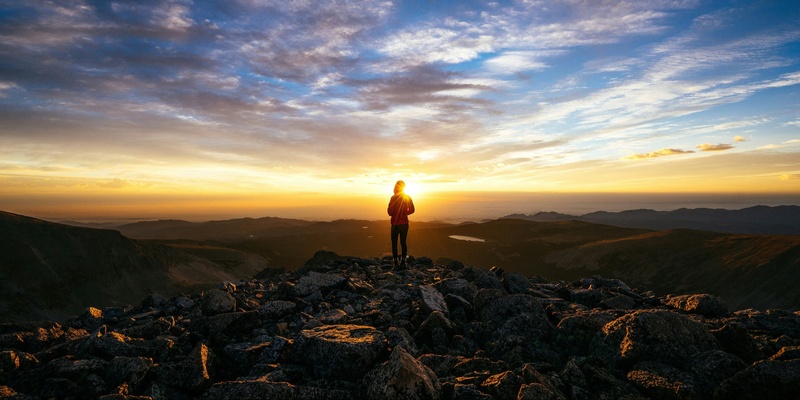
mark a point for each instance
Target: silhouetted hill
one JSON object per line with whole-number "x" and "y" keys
{"x": 224, "y": 230}
{"x": 50, "y": 270}
{"x": 780, "y": 220}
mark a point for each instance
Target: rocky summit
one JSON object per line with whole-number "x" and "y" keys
{"x": 352, "y": 328}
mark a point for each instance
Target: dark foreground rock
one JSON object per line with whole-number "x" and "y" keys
{"x": 350, "y": 328}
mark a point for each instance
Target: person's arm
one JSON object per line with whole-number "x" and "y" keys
{"x": 390, "y": 209}
{"x": 410, "y": 208}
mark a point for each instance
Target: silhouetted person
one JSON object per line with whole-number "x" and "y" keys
{"x": 400, "y": 207}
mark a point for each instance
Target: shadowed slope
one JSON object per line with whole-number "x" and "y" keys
{"x": 49, "y": 270}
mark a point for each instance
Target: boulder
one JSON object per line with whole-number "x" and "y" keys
{"x": 660, "y": 381}
{"x": 193, "y": 373}
{"x": 326, "y": 349}
{"x": 503, "y": 386}
{"x": 129, "y": 371}
{"x": 276, "y": 309}
{"x": 763, "y": 380}
{"x": 704, "y": 304}
{"x": 432, "y": 300}
{"x": 315, "y": 281}
{"x": 262, "y": 389}
{"x": 457, "y": 286}
{"x": 402, "y": 377}
{"x": 216, "y": 301}
{"x": 656, "y": 335}
{"x": 435, "y": 331}
{"x": 537, "y": 391}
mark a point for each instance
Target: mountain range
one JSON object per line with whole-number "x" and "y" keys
{"x": 780, "y": 220}
{"x": 51, "y": 270}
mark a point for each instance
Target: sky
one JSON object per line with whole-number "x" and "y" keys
{"x": 313, "y": 109}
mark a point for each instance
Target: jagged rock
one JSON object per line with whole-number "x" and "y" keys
{"x": 109, "y": 344}
{"x": 402, "y": 377}
{"x": 709, "y": 369}
{"x": 515, "y": 283}
{"x": 576, "y": 332}
{"x": 469, "y": 392}
{"x": 735, "y": 339}
{"x": 662, "y": 381}
{"x": 503, "y": 386}
{"x": 149, "y": 330}
{"x": 536, "y": 391}
{"x": 326, "y": 349}
{"x": 763, "y": 380}
{"x": 216, "y": 301}
{"x": 786, "y": 353}
{"x": 513, "y": 320}
{"x": 260, "y": 389}
{"x": 704, "y": 304}
{"x": 396, "y": 336}
{"x": 315, "y": 281}
{"x": 661, "y": 336}
{"x": 233, "y": 323}
{"x": 619, "y": 302}
{"x": 130, "y": 371}
{"x": 193, "y": 373}
{"x": 432, "y": 300}
{"x": 459, "y": 287}
{"x": 436, "y": 330}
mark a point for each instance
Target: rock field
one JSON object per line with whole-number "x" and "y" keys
{"x": 351, "y": 328}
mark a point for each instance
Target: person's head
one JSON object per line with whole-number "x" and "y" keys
{"x": 399, "y": 187}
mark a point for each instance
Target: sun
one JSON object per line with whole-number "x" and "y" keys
{"x": 414, "y": 189}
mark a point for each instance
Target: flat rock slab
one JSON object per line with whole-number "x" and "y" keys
{"x": 340, "y": 351}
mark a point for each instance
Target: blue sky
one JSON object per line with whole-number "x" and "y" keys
{"x": 147, "y": 102}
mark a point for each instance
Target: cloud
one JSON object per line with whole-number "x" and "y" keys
{"x": 714, "y": 147}
{"x": 786, "y": 177}
{"x": 739, "y": 138}
{"x": 659, "y": 153}
{"x": 115, "y": 183}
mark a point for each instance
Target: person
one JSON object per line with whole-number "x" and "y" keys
{"x": 400, "y": 207}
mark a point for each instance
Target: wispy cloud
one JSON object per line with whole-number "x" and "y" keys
{"x": 656, "y": 154}
{"x": 714, "y": 147}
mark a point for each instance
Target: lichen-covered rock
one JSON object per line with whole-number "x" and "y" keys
{"x": 129, "y": 371}
{"x": 193, "y": 373}
{"x": 402, "y": 378}
{"x": 435, "y": 331}
{"x": 315, "y": 281}
{"x": 457, "y": 286}
{"x": 656, "y": 335}
{"x": 261, "y": 389}
{"x": 660, "y": 381}
{"x": 327, "y": 349}
{"x": 216, "y": 301}
{"x": 704, "y": 304}
{"x": 763, "y": 380}
{"x": 432, "y": 300}
{"x": 503, "y": 386}
{"x": 537, "y": 391}
{"x": 108, "y": 344}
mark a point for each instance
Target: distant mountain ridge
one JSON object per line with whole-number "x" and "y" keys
{"x": 778, "y": 220}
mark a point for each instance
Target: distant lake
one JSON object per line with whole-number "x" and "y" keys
{"x": 466, "y": 238}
